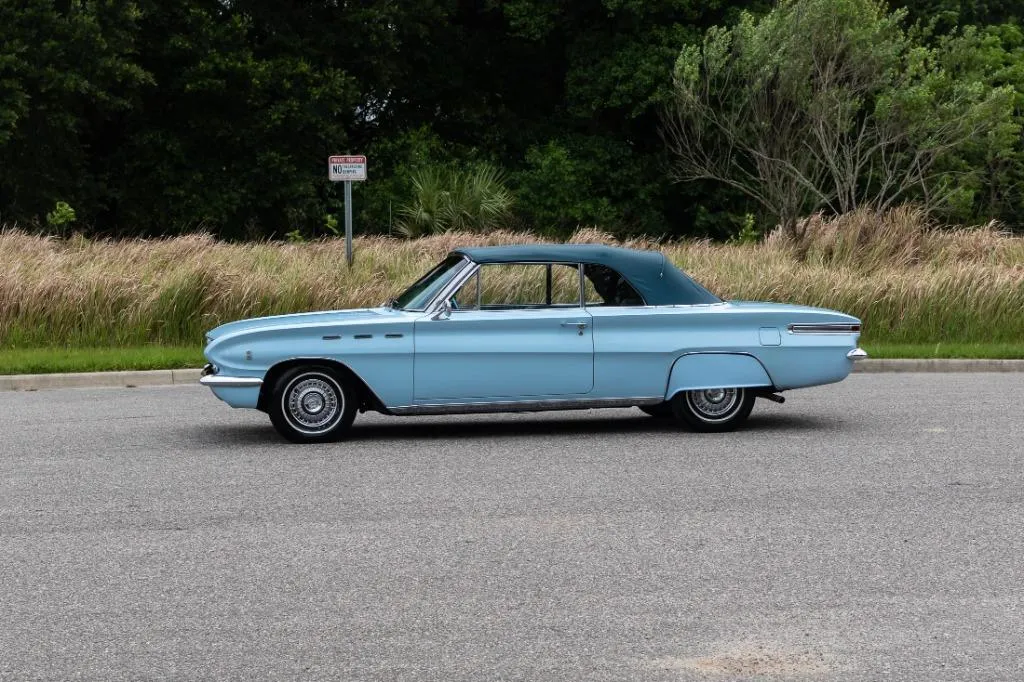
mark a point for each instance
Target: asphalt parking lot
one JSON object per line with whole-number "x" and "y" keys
{"x": 863, "y": 531}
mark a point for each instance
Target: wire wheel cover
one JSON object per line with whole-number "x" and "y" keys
{"x": 715, "y": 404}
{"x": 313, "y": 403}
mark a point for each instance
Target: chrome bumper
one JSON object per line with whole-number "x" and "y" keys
{"x": 857, "y": 354}
{"x": 209, "y": 378}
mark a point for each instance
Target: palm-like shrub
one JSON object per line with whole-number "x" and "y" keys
{"x": 472, "y": 200}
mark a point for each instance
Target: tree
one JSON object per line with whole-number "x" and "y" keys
{"x": 573, "y": 94}
{"x": 994, "y": 187}
{"x": 159, "y": 116}
{"x": 952, "y": 14}
{"x": 67, "y": 76}
{"x": 827, "y": 104}
{"x": 234, "y": 132}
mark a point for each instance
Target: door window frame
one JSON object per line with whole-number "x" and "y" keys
{"x": 450, "y": 290}
{"x": 580, "y": 303}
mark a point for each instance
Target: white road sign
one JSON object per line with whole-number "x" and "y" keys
{"x": 346, "y": 168}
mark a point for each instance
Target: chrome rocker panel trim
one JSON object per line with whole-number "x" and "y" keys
{"x": 217, "y": 381}
{"x": 522, "y": 406}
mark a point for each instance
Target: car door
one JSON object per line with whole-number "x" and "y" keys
{"x": 634, "y": 344}
{"x": 517, "y": 332}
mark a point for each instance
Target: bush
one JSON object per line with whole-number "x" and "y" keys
{"x": 556, "y": 192}
{"x": 471, "y": 200}
{"x": 61, "y": 216}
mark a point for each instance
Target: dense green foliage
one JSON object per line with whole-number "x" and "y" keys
{"x": 469, "y": 200}
{"x": 165, "y": 116}
{"x": 830, "y": 104}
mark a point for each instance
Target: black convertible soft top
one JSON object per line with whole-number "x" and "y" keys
{"x": 650, "y": 272}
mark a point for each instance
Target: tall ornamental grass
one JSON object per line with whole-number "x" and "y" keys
{"x": 908, "y": 282}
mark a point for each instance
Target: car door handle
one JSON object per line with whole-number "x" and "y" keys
{"x": 578, "y": 325}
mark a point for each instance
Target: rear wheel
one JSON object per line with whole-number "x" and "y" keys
{"x": 714, "y": 409}
{"x": 312, "y": 404}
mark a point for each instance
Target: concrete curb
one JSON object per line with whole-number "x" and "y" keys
{"x": 960, "y": 365}
{"x": 170, "y": 377}
{"x": 156, "y": 377}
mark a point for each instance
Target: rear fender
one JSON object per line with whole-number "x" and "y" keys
{"x": 696, "y": 371}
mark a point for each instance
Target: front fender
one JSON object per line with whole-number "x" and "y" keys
{"x": 696, "y": 371}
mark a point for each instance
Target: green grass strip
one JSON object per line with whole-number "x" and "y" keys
{"x": 973, "y": 351}
{"x": 51, "y": 360}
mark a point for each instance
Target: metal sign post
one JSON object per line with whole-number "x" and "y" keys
{"x": 348, "y": 221}
{"x": 347, "y": 169}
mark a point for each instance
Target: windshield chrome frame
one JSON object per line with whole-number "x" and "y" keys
{"x": 430, "y": 306}
{"x": 449, "y": 290}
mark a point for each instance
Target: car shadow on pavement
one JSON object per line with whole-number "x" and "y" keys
{"x": 455, "y": 427}
{"x": 411, "y": 428}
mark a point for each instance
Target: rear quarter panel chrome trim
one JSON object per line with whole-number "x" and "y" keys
{"x": 824, "y": 328}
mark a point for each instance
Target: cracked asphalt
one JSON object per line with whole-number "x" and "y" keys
{"x": 862, "y": 531}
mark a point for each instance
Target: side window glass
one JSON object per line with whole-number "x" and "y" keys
{"x": 505, "y": 286}
{"x": 602, "y": 286}
{"x": 512, "y": 286}
{"x": 565, "y": 285}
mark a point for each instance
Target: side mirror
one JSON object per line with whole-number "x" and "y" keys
{"x": 444, "y": 312}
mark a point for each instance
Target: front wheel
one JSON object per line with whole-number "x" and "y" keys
{"x": 312, "y": 404}
{"x": 713, "y": 409}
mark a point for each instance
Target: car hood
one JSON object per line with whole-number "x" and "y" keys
{"x": 297, "y": 319}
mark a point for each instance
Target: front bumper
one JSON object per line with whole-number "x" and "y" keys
{"x": 235, "y": 391}
{"x": 857, "y": 354}
{"x": 209, "y": 377}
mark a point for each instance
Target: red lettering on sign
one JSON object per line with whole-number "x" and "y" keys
{"x": 347, "y": 159}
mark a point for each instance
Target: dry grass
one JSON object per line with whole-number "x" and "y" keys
{"x": 908, "y": 281}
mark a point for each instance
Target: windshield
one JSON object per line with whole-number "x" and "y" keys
{"x": 426, "y": 287}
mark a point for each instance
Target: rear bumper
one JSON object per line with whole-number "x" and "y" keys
{"x": 857, "y": 354}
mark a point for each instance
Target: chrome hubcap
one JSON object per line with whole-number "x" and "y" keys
{"x": 313, "y": 403}
{"x": 715, "y": 396}
{"x": 715, "y": 404}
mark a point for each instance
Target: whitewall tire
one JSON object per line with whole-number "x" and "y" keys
{"x": 716, "y": 409}
{"x": 312, "y": 404}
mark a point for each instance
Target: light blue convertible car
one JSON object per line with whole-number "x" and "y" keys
{"x": 526, "y": 328}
